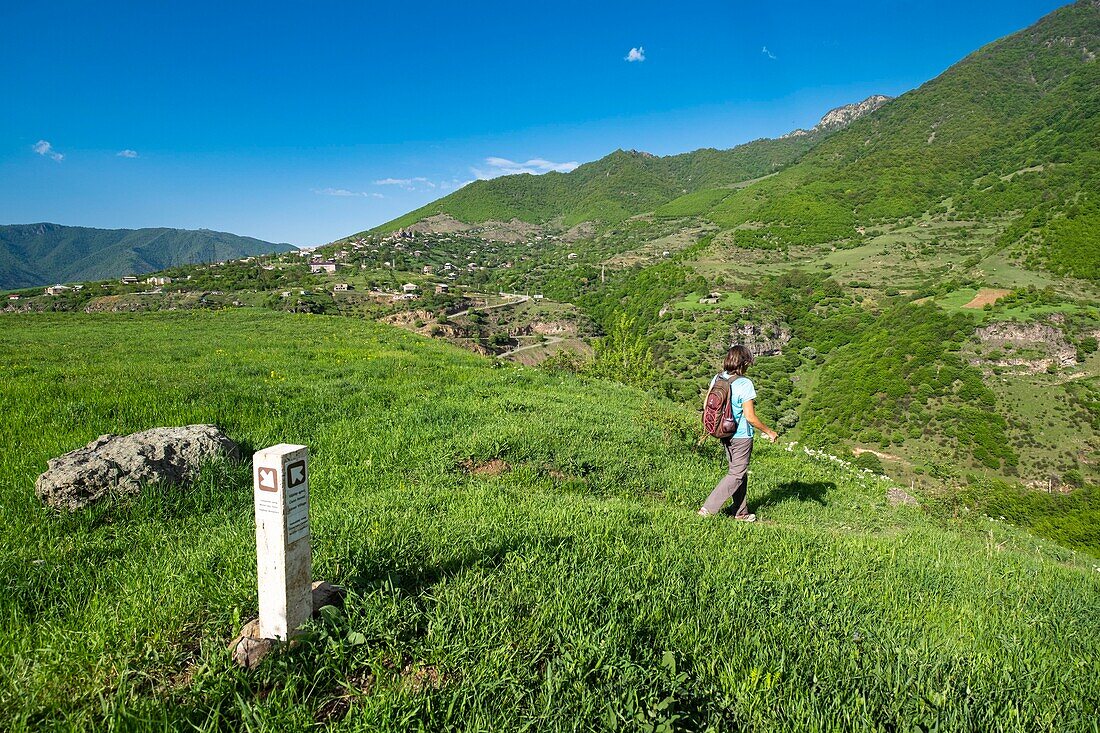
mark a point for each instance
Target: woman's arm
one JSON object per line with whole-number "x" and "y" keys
{"x": 756, "y": 422}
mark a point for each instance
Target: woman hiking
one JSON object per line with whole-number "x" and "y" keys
{"x": 735, "y": 483}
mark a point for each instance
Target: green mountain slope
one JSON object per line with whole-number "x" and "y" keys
{"x": 1010, "y": 130}
{"x": 42, "y": 254}
{"x": 504, "y": 572}
{"x": 613, "y": 188}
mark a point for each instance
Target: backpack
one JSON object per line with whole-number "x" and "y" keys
{"x": 718, "y": 419}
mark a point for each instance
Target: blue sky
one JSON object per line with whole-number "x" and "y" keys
{"x": 304, "y": 122}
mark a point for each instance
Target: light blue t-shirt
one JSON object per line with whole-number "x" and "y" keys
{"x": 741, "y": 390}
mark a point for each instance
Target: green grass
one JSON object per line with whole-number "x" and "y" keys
{"x": 956, "y": 299}
{"x": 729, "y": 300}
{"x": 577, "y": 591}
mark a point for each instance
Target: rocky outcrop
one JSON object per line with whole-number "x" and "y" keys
{"x": 113, "y": 464}
{"x": 842, "y": 116}
{"x": 1037, "y": 334}
{"x": 845, "y": 115}
{"x": 545, "y": 328}
{"x": 763, "y": 339}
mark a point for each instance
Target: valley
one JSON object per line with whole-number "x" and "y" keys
{"x": 500, "y": 390}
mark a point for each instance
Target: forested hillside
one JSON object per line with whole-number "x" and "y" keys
{"x": 42, "y": 254}
{"x": 1010, "y": 130}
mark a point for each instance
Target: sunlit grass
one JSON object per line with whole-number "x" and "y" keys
{"x": 576, "y": 590}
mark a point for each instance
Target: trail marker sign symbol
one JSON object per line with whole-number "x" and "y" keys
{"x": 295, "y": 474}
{"x": 283, "y": 570}
{"x": 267, "y": 479}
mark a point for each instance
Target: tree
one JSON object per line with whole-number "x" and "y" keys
{"x": 624, "y": 356}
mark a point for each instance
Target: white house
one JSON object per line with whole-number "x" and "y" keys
{"x": 409, "y": 287}
{"x": 341, "y": 288}
{"x": 57, "y": 289}
{"x": 129, "y": 280}
{"x": 159, "y": 280}
{"x": 322, "y": 266}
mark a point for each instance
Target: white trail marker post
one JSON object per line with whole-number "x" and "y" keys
{"x": 284, "y": 573}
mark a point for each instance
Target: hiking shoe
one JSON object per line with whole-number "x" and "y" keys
{"x": 746, "y": 518}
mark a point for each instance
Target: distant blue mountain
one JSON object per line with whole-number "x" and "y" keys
{"x": 41, "y": 254}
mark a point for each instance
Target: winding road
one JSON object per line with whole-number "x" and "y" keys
{"x": 518, "y": 299}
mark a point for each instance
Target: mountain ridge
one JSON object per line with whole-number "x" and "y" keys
{"x": 43, "y": 253}
{"x": 624, "y": 183}
{"x": 1007, "y": 131}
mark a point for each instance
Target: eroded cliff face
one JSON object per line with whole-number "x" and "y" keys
{"x": 1041, "y": 344}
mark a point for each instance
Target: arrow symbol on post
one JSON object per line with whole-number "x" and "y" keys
{"x": 297, "y": 474}
{"x": 267, "y": 479}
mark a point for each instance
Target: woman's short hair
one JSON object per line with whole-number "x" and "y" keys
{"x": 738, "y": 359}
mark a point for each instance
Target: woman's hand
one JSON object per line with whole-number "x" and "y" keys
{"x": 771, "y": 435}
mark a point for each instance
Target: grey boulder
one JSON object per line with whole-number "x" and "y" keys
{"x": 123, "y": 464}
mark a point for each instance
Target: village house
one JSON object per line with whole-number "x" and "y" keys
{"x": 711, "y": 298}
{"x": 427, "y": 269}
{"x": 13, "y": 297}
{"x": 442, "y": 288}
{"x": 341, "y": 288}
{"x": 158, "y": 280}
{"x": 409, "y": 288}
{"x": 129, "y": 280}
{"x": 57, "y": 289}
{"x": 322, "y": 266}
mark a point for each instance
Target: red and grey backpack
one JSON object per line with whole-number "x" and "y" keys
{"x": 718, "y": 419}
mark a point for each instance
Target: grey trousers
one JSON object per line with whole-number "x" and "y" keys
{"x": 735, "y": 484}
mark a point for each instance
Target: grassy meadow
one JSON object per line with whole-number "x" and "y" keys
{"x": 521, "y": 552}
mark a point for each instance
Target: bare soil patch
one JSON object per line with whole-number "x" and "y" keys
{"x": 987, "y": 296}
{"x": 494, "y": 467}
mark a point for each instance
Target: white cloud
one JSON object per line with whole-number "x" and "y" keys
{"x": 43, "y": 147}
{"x": 503, "y": 167}
{"x": 635, "y": 54}
{"x": 409, "y": 184}
{"x": 344, "y": 193}
{"x": 455, "y": 184}
{"x": 127, "y": 153}
{"x": 767, "y": 53}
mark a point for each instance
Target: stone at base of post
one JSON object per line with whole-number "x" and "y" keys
{"x": 249, "y": 648}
